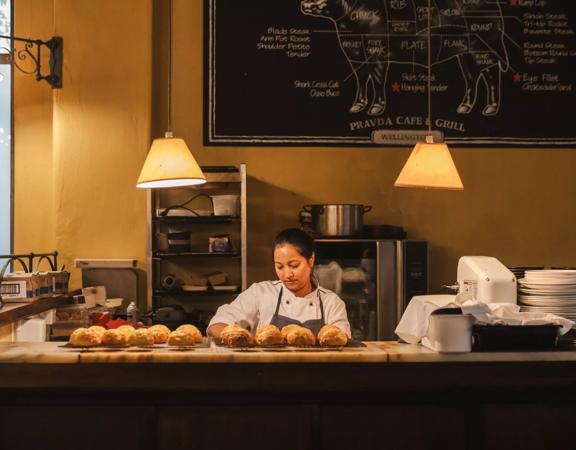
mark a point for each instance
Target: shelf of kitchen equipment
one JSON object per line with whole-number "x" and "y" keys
{"x": 167, "y": 254}
{"x": 196, "y": 219}
{"x": 225, "y": 180}
{"x": 180, "y": 292}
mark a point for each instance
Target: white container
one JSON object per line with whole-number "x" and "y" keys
{"x": 226, "y": 205}
{"x": 31, "y": 330}
{"x": 450, "y": 333}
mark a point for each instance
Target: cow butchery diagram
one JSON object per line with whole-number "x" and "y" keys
{"x": 334, "y": 72}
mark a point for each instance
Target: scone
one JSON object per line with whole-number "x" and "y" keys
{"x": 84, "y": 337}
{"x": 300, "y": 337}
{"x": 287, "y": 329}
{"x": 160, "y": 333}
{"x": 126, "y": 329}
{"x": 98, "y": 330}
{"x": 332, "y": 336}
{"x": 269, "y": 335}
{"x": 141, "y": 336}
{"x": 181, "y": 339}
{"x": 191, "y": 329}
{"x": 236, "y": 336}
{"x": 115, "y": 338}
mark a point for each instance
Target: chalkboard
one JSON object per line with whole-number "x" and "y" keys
{"x": 354, "y": 72}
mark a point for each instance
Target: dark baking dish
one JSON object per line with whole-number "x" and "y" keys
{"x": 487, "y": 338}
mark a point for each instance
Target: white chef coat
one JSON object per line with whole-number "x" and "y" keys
{"x": 257, "y": 304}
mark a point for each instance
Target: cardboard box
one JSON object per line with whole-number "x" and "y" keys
{"x": 19, "y": 287}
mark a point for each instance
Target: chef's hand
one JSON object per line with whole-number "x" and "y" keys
{"x": 216, "y": 329}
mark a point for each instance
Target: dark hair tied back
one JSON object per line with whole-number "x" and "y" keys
{"x": 298, "y": 239}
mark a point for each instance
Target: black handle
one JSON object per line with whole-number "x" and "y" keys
{"x": 367, "y": 208}
{"x": 304, "y": 217}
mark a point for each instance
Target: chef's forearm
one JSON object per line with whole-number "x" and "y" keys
{"x": 215, "y": 329}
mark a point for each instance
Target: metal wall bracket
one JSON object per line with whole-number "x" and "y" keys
{"x": 55, "y": 46}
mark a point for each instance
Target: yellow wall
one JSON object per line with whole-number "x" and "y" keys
{"x": 100, "y": 123}
{"x": 33, "y": 193}
{"x": 518, "y": 204}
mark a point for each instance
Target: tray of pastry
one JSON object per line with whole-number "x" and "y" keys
{"x": 96, "y": 338}
{"x": 291, "y": 337}
{"x": 286, "y": 349}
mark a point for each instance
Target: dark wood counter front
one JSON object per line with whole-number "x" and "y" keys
{"x": 394, "y": 397}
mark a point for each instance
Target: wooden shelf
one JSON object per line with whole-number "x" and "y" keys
{"x": 11, "y": 312}
{"x": 167, "y": 254}
{"x": 179, "y": 292}
{"x": 196, "y": 219}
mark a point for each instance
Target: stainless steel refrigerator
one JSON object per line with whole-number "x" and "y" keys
{"x": 376, "y": 278}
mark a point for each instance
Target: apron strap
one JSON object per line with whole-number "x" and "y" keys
{"x": 319, "y": 299}
{"x": 279, "y": 301}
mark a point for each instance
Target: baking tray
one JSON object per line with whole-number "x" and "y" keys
{"x": 290, "y": 348}
{"x": 487, "y": 338}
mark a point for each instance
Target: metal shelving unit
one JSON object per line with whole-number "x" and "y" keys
{"x": 199, "y": 260}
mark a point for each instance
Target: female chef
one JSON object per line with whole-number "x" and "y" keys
{"x": 296, "y": 298}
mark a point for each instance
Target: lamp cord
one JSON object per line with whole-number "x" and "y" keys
{"x": 429, "y": 67}
{"x": 169, "y": 66}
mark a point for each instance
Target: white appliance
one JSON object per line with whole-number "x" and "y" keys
{"x": 487, "y": 279}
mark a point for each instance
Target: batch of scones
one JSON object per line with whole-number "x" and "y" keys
{"x": 188, "y": 335}
{"x": 294, "y": 335}
{"x": 125, "y": 335}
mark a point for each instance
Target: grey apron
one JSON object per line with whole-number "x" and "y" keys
{"x": 313, "y": 325}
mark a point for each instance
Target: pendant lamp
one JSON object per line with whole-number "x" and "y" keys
{"x": 430, "y": 164}
{"x": 169, "y": 162}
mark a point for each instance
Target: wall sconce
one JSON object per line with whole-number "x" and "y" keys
{"x": 430, "y": 164}
{"x": 55, "y": 47}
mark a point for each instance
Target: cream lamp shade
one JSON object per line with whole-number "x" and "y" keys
{"x": 170, "y": 164}
{"x": 430, "y": 165}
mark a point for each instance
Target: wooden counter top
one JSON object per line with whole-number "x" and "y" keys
{"x": 60, "y": 353}
{"x": 372, "y": 352}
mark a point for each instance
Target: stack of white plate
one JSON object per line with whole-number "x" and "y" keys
{"x": 549, "y": 291}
